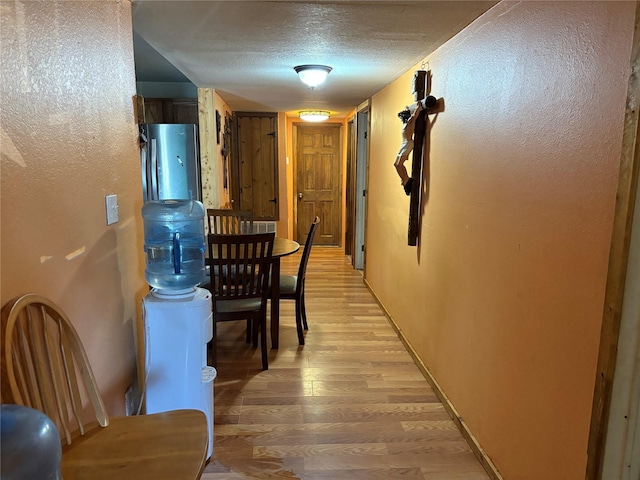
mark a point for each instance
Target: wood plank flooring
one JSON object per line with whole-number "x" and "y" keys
{"x": 349, "y": 404}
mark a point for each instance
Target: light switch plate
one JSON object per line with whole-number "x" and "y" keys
{"x": 112, "y": 209}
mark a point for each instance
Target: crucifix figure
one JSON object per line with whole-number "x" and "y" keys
{"x": 414, "y": 119}
{"x": 409, "y": 116}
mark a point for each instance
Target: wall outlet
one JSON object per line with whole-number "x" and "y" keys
{"x": 112, "y": 208}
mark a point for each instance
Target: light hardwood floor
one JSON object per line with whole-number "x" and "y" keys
{"x": 350, "y": 404}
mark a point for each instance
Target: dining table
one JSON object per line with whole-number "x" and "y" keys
{"x": 281, "y": 248}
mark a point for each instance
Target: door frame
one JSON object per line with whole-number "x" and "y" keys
{"x": 601, "y": 431}
{"x": 621, "y": 455}
{"x": 362, "y": 125}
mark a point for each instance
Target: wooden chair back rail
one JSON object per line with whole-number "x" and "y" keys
{"x": 224, "y": 221}
{"x": 302, "y": 268}
{"x": 248, "y": 258}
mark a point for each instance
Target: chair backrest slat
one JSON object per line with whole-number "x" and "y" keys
{"x": 51, "y": 363}
{"x": 29, "y": 391}
{"x": 225, "y": 221}
{"x": 240, "y": 265}
{"x": 45, "y": 380}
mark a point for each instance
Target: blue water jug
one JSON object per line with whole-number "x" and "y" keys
{"x": 174, "y": 243}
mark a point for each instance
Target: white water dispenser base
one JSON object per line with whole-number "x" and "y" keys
{"x": 177, "y": 330}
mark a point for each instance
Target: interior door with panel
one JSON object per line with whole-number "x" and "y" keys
{"x": 256, "y": 168}
{"x": 318, "y": 186}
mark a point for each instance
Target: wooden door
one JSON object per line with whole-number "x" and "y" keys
{"x": 318, "y": 187}
{"x": 153, "y": 112}
{"x": 257, "y": 171}
{"x": 171, "y": 110}
{"x": 183, "y": 110}
{"x": 350, "y": 203}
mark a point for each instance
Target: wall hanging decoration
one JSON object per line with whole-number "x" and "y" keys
{"x": 218, "y": 126}
{"x": 414, "y": 129}
{"x": 226, "y": 142}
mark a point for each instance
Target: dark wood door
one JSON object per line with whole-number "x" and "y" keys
{"x": 153, "y": 110}
{"x": 171, "y": 110}
{"x": 350, "y": 203}
{"x": 257, "y": 171}
{"x": 183, "y": 111}
{"x": 318, "y": 187}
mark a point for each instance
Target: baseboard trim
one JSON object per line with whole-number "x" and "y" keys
{"x": 468, "y": 435}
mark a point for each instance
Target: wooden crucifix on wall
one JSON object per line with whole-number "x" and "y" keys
{"x": 414, "y": 119}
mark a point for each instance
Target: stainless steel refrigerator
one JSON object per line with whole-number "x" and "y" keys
{"x": 170, "y": 156}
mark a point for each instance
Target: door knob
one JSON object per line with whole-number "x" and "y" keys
{"x": 300, "y": 195}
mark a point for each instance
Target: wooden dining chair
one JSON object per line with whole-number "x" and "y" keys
{"x": 227, "y": 221}
{"x": 45, "y": 367}
{"x": 243, "y": 294}
{"x": 292, "y": 286}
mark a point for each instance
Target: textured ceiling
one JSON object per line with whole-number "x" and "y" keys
{"x": 247, "y": 49}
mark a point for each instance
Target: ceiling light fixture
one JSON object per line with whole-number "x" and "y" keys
{"x": 312, "y": 75}
{"x": 314, "y": 115}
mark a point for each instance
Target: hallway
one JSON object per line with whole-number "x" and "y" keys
{"x": 350, "y": 404}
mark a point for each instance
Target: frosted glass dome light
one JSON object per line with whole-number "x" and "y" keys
{"x": 314, "y": 115}
{"x": 312, "y": 75}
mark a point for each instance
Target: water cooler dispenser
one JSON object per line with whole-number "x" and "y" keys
{"x": 178, "y": 321}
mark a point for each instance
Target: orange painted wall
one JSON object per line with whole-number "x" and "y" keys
{"x": 69, "y": 139}
{"x": 503, "y": 298}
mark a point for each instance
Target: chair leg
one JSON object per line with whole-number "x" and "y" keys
{"x": 212, "y": 348}
{"x": 263, "y": 342}
{"x": 299, "y": 321}
{"x": 249, "y": 330}
{"x": 255, "y": 330}
{"x": 303, "y": 308}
